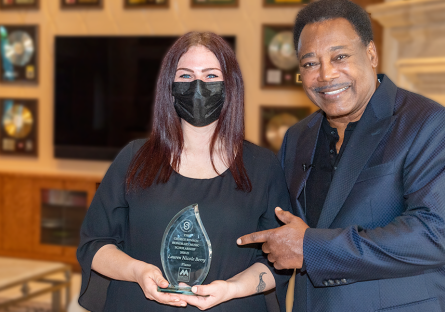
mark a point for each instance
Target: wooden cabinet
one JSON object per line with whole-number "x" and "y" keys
{"x": 26, "y": 214}
{"x": 18, "y": 219}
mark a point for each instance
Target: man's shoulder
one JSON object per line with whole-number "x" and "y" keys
{"x": 415, "y": 101}
{"x": 416, "y": 107}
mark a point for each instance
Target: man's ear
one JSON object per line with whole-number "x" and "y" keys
{"x": 371, "y": 51}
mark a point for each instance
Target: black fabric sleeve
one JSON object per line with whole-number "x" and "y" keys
{"x": 105, "y": 223}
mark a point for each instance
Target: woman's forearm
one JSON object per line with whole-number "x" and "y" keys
{"x": 114, "y": 263}
{"x": 255, "y": 279}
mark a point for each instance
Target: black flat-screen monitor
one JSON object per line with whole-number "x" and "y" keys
{"x": 104, "y": 92}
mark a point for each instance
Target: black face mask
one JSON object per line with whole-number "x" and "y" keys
{"x": 198, "y": 102}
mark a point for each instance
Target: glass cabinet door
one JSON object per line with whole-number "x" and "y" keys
{"x": 62, "y": 213}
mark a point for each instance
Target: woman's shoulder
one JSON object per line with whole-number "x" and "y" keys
{"x": 129, "y": 150}
{"x": 126, "y": 154}
{"x": 122, "y": 161}
{"x": 261, "y": 163}
{"x": 137, "y": 144}
{"x": 258, "y": 154}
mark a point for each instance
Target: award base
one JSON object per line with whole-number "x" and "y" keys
{"x": 185, "y": 290}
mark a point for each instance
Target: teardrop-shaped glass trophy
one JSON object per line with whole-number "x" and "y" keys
{"x": 186, "y": 251}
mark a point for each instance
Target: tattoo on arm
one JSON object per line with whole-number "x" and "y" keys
{"x": 261, "y": 285}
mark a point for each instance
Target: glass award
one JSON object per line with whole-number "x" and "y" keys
{"x": 186, "y": 251}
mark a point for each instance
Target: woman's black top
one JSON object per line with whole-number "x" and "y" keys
{"x": 136, "y": 222}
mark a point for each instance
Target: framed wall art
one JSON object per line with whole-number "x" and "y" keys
{"x": 81, "y": 4}
{"x": 134, "y": 4}
{"x": 19, "y": 124}
{"x": 284, "y": 3}
{"x": 275, "y": 120}
{"x": 280, "y": 67}
{"x": 19, "y": 4}
{"x": 214, "y": 3}
{"x": 18, "y": 52}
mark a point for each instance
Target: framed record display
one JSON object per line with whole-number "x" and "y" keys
{"x": 280, "y": 66}
{"x": 19, "y": 4}
{"x": 134, "y": 4}
{"x": 81, "y": 4}
{"x": 214, "y": 3}
{"x": 18, "y": 132}
{"x": 18, "y": 52}
{"x": 283, "y": 3}
{"x": 275, "y": 120}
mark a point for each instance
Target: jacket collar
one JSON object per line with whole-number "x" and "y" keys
{"x": 300, "y": 165}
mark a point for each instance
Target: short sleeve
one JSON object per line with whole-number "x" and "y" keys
{"x": 105, "y": 223}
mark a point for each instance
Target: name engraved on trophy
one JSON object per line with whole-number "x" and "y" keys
{"x": 185, "y": 246}
{"x": 186, "y": 251}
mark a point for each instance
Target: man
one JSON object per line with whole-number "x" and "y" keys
{"x": 366, "y": 174}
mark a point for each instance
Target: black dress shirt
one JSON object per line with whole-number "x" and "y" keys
{"x": 325, "y": 163}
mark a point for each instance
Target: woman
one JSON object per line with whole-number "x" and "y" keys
{"x": 196, "y": 153}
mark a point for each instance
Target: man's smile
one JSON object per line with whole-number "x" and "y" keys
{"x": 335, "y": 91}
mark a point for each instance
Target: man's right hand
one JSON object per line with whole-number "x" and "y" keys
{"x": 284, "y": 244}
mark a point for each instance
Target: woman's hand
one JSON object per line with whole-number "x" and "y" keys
{"x": 149, "y": 277}
{"x": 255, "y": 279}
{"x": 210, "y": 295}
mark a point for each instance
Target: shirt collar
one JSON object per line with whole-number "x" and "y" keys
{"x": 330, "y": 131}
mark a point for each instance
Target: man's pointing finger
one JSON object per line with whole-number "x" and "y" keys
{"x": 256, "y": 237}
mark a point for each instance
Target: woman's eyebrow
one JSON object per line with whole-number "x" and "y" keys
{"x": 209, "y": 69}
{"x": 204, "y": 70}
{"x": 186, "y": 69}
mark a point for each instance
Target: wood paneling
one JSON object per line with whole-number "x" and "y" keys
{"x": 18, "y": 222}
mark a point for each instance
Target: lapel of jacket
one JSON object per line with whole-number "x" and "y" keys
{"x": 304, "y": 154}
{"x": 373, "y": 125}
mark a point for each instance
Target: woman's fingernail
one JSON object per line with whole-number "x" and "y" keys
{"x": 176, "y": 299}
{"x": 194, "y": 289}
{"x": 238, "y": 241}
{"x": 278, "y": 208}
{"x": 183, "y": 304}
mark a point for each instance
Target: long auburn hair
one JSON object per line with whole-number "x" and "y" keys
{"x": 161, "y": 154}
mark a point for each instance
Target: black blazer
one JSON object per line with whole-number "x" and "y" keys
{"x": 379, "y": 244}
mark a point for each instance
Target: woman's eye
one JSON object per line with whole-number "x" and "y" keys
{"x": 212, "y": 76}
{"x": 186, "y": 76}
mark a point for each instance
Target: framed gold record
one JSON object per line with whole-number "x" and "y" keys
{"x": 18, "y": 127}
{"x": 19, "y": 4}
{"x": 19, "y": 54}
{"x": 280, "y": 66}
{"x": 275, "y": 120}
{"x": 81, "y": 4}
{"x": 151, "y": 4}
